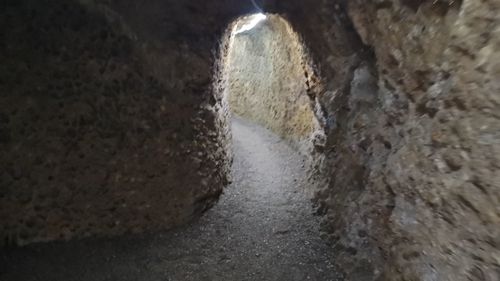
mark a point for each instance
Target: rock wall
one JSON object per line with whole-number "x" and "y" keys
{"x": 407, "y": 178}
{"x": 103, "y": 129}
{"x": 266, "y": 73}
{"x": 437, "y": 62}
{"x": 111, "y": 121}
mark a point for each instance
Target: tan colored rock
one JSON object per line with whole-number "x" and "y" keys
{"x": 267, "y": 79}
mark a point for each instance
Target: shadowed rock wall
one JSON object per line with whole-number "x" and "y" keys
{"x": 103, "y": 130}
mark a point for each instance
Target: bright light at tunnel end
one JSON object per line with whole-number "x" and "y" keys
{"x": 252, "y": 22}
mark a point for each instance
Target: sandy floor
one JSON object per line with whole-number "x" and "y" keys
{"x": 261, "y": 229}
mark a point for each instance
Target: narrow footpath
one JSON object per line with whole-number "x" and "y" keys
{"x": 261, "y": 229}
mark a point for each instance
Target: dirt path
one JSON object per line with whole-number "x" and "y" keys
{"x": 262, "y": 229}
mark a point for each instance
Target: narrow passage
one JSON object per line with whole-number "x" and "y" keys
{"x": 261, "y": 229}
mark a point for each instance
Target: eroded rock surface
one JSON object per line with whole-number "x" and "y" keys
{"x": 267, "y": 76}
{"x": 102, "y": 130}
{"x": 117, "y": 100}
{"x": 411, "y": 162}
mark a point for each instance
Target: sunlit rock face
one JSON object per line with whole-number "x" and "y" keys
{"x": 267, "y": 79}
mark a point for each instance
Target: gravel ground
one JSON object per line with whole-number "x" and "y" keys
{"x": 261, "y": 229}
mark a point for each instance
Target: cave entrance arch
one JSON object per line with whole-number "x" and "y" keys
{"x": 267, "y": 77}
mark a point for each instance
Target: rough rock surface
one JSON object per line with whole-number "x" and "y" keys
{"x": 407, "y": 170}
{"x": 437, "y": 169}
{"x": 267, "y": 75}
{"x": 410, "y": 187}
{"x": 98, "y": 136}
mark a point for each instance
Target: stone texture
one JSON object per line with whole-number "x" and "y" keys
{"x": 112, "y": 120}
{"x": 409, "y": 185}
{"x": 267, "y": 80}
{"x": 103, "y": 131}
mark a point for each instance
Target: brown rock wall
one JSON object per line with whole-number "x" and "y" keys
{"x": 111, "y": 120}
{"x": 99, "y": 137}
{"x": 409, "y": 189}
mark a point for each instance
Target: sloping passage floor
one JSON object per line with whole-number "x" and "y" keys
{"x": 262, "y": 229}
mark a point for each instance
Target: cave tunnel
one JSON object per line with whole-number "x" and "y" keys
{"x": 265, "y": 74}
{"x": 249, "y": 140}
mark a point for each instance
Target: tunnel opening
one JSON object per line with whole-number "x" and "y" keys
{"x": 268, "y": 78}
{"x": 249, "y": 23}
